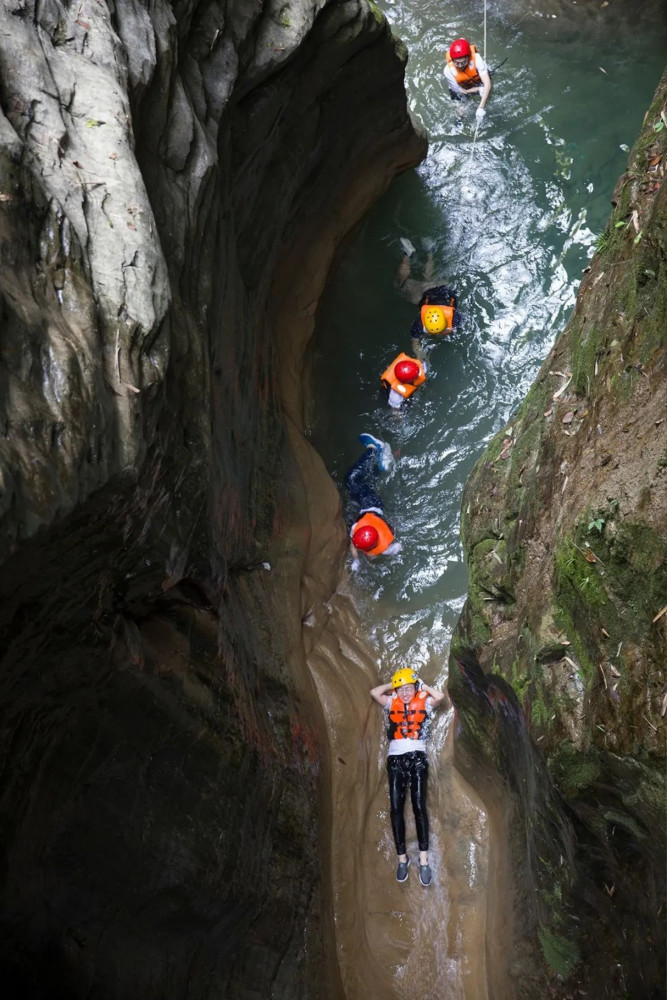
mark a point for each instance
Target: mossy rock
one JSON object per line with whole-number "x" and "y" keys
{"x": 561, "y": 954}
{"x": 574, "y": 771}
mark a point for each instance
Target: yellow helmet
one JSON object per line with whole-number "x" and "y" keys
{"x": 435, "y": 320}
{"x": 404, "y": 676}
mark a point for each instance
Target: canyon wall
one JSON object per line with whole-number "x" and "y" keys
{"x": 175, "y": 180}
{"x": 558, "y": 665}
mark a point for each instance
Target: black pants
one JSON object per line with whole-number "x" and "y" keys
{"x": 408, "y": 769}
{"x": 360, "y": 481}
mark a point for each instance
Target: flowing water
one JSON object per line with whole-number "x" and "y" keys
{"x": 511, "y": 218}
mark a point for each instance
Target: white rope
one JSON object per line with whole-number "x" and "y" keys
{"x": 474, "y": 138}
{"x": 484, "y": 30}
{"x": 479, "y": 119}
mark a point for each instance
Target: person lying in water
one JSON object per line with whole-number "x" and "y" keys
{"x": 371, "y": 533}
{"x": 466, "y": 73}
{"x": 401, "y": 378}
{"x": 438, "y": 314}
{"x": 408, "y": 704}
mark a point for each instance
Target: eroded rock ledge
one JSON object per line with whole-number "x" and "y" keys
{"x": 174, "y": 182}
{"x": 562, "y": 719}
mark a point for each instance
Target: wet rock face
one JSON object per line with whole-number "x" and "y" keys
{"x": 174, "y": 182}
{"x": 565, "y": 525}
{"x": 84, "y": 281}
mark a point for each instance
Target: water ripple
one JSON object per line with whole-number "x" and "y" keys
{"x": 512, "y": 218}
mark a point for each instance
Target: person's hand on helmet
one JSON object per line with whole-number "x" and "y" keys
{"x": 480, "y": 113}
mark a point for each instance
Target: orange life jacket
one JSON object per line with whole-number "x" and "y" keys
{"x": 384, "y": 531}
{"x": 468, "y": 77}
{"x": 408, "y": 722}
{"x": 404, "y": 389}
{"x": 449, "y": 316}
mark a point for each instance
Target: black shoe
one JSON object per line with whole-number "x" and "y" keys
{"x": 402, "y": 871}
{"x": 424, "y": 875}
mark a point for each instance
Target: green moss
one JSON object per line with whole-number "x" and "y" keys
{"x": 519, "y": 679}
{"x": 636, "y": 563}
{"x": 493, "y": 449}
{"x": 375, "y": 11}
{"x": 582, "y": 602}
{"x": 560, "y": 954}
{"x": 585, "y": 350}
{"x": 539, "y": 713}
{"x": 400, "y": 48}
{"x": 524, "y": 453}
{"x": 617, "y": 818}
{"x": 645, "y": 791}
{"x": 478, "y": 629}
{"x": 483, "y": 548}
{"x": 61, "y": 33}
{"x": 489, "y": 578}
{"x": 609, "y": 604}
{"x": 572, "y": 770}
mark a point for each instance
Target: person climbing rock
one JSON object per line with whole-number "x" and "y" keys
{"x": 371, "y": 533}
{"x": 466, "y": 73}
{"x": 436, "y": 301}
{"x": 408, "y": 710}
{"x": 401, "y": 378}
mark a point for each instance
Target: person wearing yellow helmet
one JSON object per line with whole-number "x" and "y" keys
{"x": 408, "y": 704}
{"x": 436, "y": 301}
{"x": 438, "y": 315}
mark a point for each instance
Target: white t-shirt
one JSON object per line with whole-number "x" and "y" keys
{"x": 395, "y": 399}
{"x": 408, "y": 746}
{"x": 450, "y": 73}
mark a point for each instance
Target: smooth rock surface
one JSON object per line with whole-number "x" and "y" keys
{"x": 175, "y": 180}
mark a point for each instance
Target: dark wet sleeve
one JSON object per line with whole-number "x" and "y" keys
{"x": 441, "y": 295}
{"x": 417, "y": 330}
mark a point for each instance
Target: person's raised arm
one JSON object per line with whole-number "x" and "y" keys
{"x": 485, "y": 90}
{"x": 437, "y": 696}
{"x": 381, "y": 694}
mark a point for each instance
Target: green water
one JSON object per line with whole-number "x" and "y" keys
{"x": 513, "y": 222}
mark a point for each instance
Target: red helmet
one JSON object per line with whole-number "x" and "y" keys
{"x": 459, "y": 49}
{"x": 366, "y": 538}
{"x": 406, "y": 371}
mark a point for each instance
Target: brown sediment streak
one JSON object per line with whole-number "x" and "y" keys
{"x": 391, "y": 936}
{"x": 388, "y": 935}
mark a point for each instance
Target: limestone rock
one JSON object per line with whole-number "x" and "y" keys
{"x": 570, "y": 636}
{"x": 175, "y": 180}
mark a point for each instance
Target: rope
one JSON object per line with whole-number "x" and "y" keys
{"x": 485, "y": 30}
{"x": 479, "y": 119}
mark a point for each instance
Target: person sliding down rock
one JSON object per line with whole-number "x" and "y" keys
{"x": 466, "y": 73}
{"x": 370, "y": 533}
{"x": 437, "y": 302}
{"x": 408, "y": 712}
